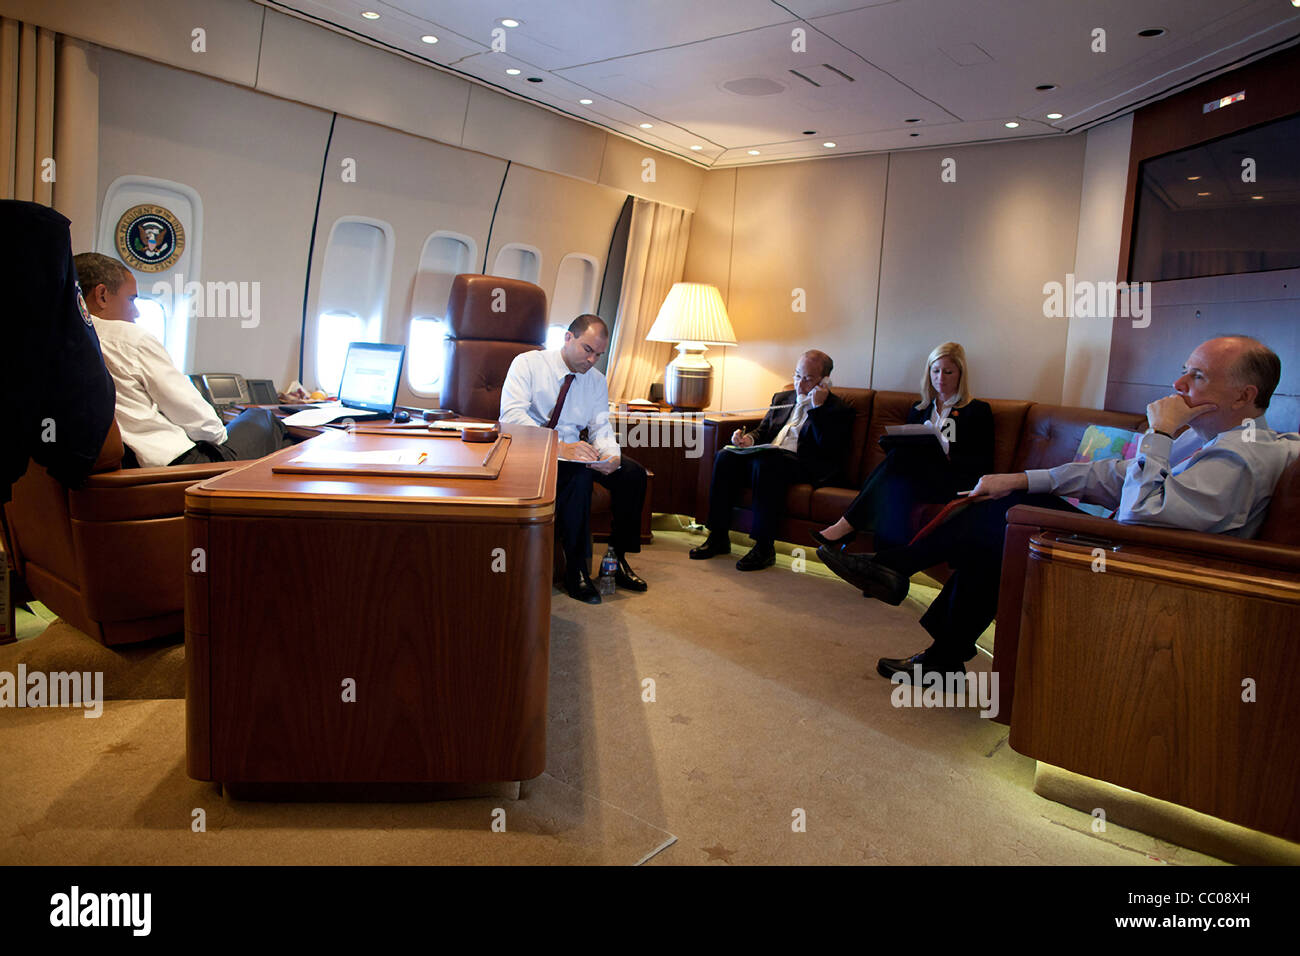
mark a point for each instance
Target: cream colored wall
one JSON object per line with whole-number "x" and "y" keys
{"x": 1101, "y": 225}
{"x": 964, "y": 261}
{"x": 255, "y": 162}
{"x": 415, "y": 186}
{"x": 558, "y": 216}
{"x": 257, "y": 47}
{"x": 813, "y": 227}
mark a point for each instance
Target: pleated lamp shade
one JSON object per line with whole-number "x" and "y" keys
{"x": 694, "y": 317}
{"x": 693, "y": 312}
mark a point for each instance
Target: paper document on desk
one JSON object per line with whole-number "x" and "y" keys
{"x": 462, "y": 426}
{"x": 310, "y": 417}
{"x": 328, "y": 453}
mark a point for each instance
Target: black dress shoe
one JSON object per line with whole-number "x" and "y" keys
{"x": 889, "y": 666}
{"x": 840, "y": 543}
{"x": 862, "y": 571}
{"x": 758, "y": 557}
{"x": 712, "y": 546}
{"x": 580, "y": 588}
{"x": 626, "y": 578}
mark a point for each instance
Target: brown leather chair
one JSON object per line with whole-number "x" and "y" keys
{"x": 108, "y": 557}
{"x": 491, "y": 319}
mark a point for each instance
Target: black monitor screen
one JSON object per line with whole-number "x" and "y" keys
{"x": 1221, "y": 208}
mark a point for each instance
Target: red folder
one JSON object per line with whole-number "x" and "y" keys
{"x": 950, "y": 509}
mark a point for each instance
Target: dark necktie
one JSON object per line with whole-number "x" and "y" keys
{"x": 559, "y": 402}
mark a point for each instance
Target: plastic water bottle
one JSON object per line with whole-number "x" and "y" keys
{"x": 608, "y": 568}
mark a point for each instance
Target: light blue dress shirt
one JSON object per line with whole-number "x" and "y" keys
{"x": 1222, "y": 485}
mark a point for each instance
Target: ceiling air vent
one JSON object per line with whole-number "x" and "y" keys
{"x": 753, "y": 86}
{"x": 823, "y": 75}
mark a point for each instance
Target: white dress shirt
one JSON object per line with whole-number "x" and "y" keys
{"x": 1221, "y": 485}
{"x": 532, "y": 387}
{"x": 159, "y": 411}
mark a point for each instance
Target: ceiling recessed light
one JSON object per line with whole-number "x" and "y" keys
{"x": 1261, "y": 197}
{"x": 1192, "y": 179}
{"x": 1202, "y": 194}
{"x": 511, "y": 71}
{"x": 753, "y": 152}
{"x": 697, "y": 148}
{"x": 1153, "y": 32}
{"x": 1053, "y": 116}
{"x": 585, "y": 102}
{"x": 647, "y": 125}
{"x": 828, "y": 144}
{"x": 810, "y": 132}
{"x": 509, "y": 22}
{"x": 911, "y": 121}
{"x": 913, "y": 134}
{"x": 1044, "y": 87}
{"x": 428, "y": 38}
{"x": 534, "y": 79}
{"x": 370, "y": 14}
{"x": 1011, "y": 125}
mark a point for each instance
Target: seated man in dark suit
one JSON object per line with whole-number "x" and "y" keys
{"x": 806, "y": 433}
{"x": 1217, "y": 476}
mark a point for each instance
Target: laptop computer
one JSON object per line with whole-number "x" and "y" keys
{"x": 368, "y": 390}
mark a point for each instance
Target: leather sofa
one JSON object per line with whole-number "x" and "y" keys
{"x": 108, "y": 557}
{"x": 1025, "y": 435}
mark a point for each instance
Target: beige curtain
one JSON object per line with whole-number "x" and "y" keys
{"x": 26, "y": 111}
{"x": 656, "y": 255}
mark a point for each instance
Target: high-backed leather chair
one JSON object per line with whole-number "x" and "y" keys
{"x": 491, "y": 319}
{"x": 108, "y": 557}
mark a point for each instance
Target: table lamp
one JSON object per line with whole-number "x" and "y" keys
{"x": 694, "y": 317}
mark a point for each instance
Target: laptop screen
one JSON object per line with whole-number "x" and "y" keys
{"x": 371, "y": 375}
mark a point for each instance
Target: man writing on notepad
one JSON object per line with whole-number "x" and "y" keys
{"x": 804, "y": 438}
{"x": 1217, "y": 476}
{"x": 561, "y": 389}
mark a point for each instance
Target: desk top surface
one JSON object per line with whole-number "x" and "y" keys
{"x": 524, "y": 488}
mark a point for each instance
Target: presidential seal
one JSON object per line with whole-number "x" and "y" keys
{"x": 149, "y": 238}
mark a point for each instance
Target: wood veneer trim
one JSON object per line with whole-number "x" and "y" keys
{"x": 1206, "y": 578}
{"x": 475, "y": 509}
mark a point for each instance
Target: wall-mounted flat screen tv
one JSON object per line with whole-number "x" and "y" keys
{"x": 1221, "y": 208}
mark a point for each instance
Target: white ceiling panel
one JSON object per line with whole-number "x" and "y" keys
{"x": 718, "y": 73}
{"x": 1033, "y": 42}
{"x": 560, "y": 33}
{"x": 689, "y": 85}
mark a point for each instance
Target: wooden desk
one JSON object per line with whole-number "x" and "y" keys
{"x": 370, "y": 630}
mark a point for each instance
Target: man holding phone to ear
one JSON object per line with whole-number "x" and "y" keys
{"x": 803, "y": 438}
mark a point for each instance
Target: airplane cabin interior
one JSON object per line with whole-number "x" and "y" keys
{"x": 825, "y": 432}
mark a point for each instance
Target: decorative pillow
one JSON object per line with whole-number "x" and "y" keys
{"x": 1100, "y": 442}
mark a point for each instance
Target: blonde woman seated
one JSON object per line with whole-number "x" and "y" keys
{"x": 923, "y": 472}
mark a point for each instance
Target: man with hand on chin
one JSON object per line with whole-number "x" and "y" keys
{"x": 560, "y": 389}
{"x": 1217, "y": 476}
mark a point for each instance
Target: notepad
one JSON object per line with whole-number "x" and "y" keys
{"x": 380, "y": 456}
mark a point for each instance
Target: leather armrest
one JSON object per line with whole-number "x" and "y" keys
{"x": 137, "y": 494}
{"x": 1221, "y": 546}
{"x": 166, "y": 474}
